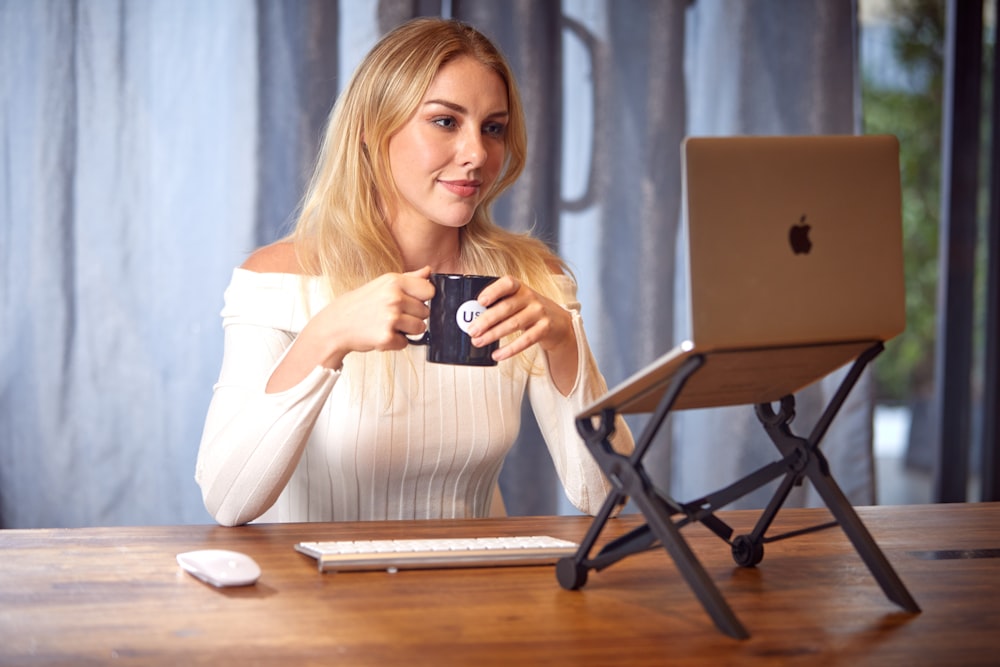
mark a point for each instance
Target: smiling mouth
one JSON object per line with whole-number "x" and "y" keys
{"x": 462, "y": 188}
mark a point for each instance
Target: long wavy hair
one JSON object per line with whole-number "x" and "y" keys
{"x": 342, "y": 232}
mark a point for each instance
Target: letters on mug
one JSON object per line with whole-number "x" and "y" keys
{"x": 467, "y": 313}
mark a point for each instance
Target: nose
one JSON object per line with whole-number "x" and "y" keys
{"x": 472, "y": 152}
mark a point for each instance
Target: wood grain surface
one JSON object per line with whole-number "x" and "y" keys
{"x": 116, "y": 596}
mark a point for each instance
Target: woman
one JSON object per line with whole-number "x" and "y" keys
{"x": 322, "y": 411}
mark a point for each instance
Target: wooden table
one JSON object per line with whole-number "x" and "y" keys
{"x": 117, "y": 596}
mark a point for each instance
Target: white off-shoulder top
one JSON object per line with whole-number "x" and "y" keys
{"x": 389, "y": 436}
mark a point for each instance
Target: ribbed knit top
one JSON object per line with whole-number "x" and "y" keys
{"x": 390, "y": 436}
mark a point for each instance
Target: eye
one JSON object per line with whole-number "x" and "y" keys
{"x": 446, "y": 122}
{"x": 495, "y": 130}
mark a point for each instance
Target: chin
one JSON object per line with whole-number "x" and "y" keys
{"x": 456, "y": 222}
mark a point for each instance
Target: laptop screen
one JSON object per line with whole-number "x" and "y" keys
{"x": 794, "y": 266}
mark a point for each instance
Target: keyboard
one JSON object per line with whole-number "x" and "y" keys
{"x": 400, "y": 554}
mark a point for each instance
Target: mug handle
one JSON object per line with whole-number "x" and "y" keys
{"x": 424, "y": 339}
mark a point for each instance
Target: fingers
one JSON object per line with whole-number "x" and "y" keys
{"x": 513, "y": 308}
{"x": 410, "y": 325}
{"x": 423, "y": 272}
{"x": 408, "y": 308}
{"x": 380, "y": 314}
{"x": 507, "y": 317}
{"x": 497, "y": 290}
{"x": 503, "y": 299}
{"x": 416, "y": 284}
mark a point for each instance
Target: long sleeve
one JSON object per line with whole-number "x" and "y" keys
{"x": 391, "y": 436}
{"x": 582, "y": 479}
{"x": 252, "y": 440}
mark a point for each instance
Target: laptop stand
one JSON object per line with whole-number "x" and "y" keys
{"x": 800, "y": 459}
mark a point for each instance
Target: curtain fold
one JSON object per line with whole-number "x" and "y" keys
{"x": 297, "y": 61}
{"x": 768, "y": 67}
{"x": 641, "y": 122}
{"x": 147, "y": 147}
{"x": 126, "y": 188}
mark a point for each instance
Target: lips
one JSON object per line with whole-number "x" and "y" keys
{"x": 462, "y": 188}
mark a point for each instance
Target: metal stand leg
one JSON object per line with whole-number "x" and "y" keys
{"x": 801, "y": 458}
{"x": 629, "y": 479}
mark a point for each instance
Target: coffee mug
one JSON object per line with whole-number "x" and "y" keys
{"x": 453, "y": 310}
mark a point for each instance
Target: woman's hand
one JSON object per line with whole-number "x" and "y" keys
{"x": 512, "y": 307}
{"x": 375, "y": 316}
{"x": 379, "y": 314}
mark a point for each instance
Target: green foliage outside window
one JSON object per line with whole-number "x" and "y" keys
{"x": 913, "y": 114}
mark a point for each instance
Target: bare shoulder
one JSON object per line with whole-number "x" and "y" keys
{"x": 278, "y": 257}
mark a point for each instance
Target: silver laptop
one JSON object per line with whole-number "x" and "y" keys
{"x": 794, "y": 266}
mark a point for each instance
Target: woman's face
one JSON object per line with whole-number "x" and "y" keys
{"x": 448, "y": 154}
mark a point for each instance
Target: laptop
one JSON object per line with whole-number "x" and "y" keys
{"x": 793, "y": 266}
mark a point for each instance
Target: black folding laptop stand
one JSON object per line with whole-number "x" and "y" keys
{"x": 800, "y": 458}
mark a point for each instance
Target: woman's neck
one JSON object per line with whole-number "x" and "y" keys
{"x": 441, "y": 251}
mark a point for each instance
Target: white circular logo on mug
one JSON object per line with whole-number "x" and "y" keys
{"x": 467, "y": 314}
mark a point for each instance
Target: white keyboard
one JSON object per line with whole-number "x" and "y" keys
{"x": 449, "y": 552}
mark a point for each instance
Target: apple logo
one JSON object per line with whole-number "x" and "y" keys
{"x": 798, "y": 237}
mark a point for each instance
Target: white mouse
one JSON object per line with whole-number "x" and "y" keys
{"x": 220, "y": 567}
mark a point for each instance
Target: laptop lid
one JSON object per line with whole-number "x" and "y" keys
{"x": 794, "y": 256}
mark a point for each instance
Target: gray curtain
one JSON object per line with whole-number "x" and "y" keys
{"x": 297, "y": 64}
{"x": 147, "y": 146}
{"x": 127, "y": 181}
{"x": 773, "y": 67}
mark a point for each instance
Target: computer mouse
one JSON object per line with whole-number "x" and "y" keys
{"x": 220, "y": 567}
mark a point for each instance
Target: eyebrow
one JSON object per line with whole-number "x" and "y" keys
{"x": 458, "y": 108}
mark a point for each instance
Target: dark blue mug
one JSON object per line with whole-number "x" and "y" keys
{"x": 453, "y": 310}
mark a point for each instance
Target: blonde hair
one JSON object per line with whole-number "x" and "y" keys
{"x": 342, "y": 232}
